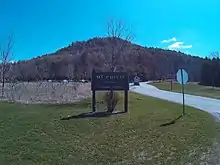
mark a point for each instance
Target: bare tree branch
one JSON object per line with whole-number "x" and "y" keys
{"x": 215, "y": 54}
{"x": 5, "y": 58}
{"x": 117, "y": 30}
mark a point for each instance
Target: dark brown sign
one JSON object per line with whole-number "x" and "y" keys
{"x": 110, "y": 81}
{"x": 102, "y": 81}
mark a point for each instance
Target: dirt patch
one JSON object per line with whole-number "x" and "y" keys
{"x": 46, "y": 92}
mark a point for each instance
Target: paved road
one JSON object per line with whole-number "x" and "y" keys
{"x": 203, "y": 103}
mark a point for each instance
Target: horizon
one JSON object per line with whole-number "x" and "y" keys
{"x": 43, "y": 27}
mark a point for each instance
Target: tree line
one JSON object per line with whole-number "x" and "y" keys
{"x": 115, "y": 52}
{"x": 78, "y": 59}
{"x": 210, "y": 71}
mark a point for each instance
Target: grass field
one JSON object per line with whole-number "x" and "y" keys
{"x": 191, "y": 88}
{"x": 34, "y": 134}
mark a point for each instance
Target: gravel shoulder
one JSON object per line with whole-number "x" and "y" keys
{"x": 209, "y": 105}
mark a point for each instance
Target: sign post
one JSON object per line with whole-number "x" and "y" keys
{"x": 182, "y": 78}
{"x": 108, "y": 81}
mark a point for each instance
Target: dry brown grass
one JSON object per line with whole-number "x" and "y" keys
{"x": 46, "y": 92}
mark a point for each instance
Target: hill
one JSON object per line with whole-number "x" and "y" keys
{"x": 77, "y": 60}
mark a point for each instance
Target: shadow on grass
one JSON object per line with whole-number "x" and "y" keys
{"x": 171, "y": 122}
{"x": 81, "y": 104}
{"x": 92, "y": 114}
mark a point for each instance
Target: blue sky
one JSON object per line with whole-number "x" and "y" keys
{"x": 43, "y": 26}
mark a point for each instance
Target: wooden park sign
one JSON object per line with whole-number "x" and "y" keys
{"x": 109, "y": 81}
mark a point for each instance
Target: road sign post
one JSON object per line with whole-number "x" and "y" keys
{"x": 136, "y": 80}
{"x": 183, "y": 92}
{"x": 182, "y": 78}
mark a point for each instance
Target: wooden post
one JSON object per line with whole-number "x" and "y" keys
{"x": 171, "y": 85}
{"x": 125, "y": 101}
{"x": 93, "y": 101}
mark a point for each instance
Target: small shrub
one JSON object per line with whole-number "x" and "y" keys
{"x": 111, "y": 100}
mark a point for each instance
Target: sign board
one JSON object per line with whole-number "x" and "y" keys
{"x": 110, "y": 81}
{"x": 182, "y": 76}
{"x": 102, "y": 81}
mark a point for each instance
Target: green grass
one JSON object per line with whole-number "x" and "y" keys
{"x": 191, "y": 88}
{"x": 34, "y": 134}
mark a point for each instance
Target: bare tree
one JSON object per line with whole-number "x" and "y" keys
{"x": 215, "y": 55}
{"x": 5, "y": 59}
{"x": 118, "y": 29}
{"x": 117, "y": 32}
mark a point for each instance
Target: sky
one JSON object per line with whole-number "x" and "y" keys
{"x": 43, "y": 26}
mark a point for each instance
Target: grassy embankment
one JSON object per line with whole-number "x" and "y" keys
{"x": 191, "y": 88}
{"x": 34, "y": 134}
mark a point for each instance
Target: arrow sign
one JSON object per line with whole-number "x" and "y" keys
{"x": 182, "y": 78}
{"x": 136, "y": 79}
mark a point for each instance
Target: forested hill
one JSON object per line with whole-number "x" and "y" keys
{"x": 78, "y": 59}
